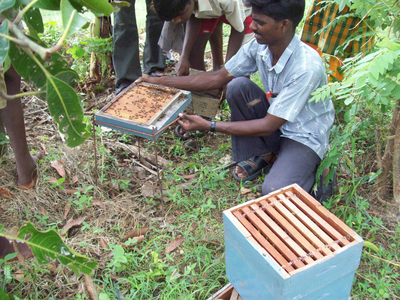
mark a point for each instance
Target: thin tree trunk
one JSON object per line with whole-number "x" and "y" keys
{"x": 387, "y": 159}
{"x": 396, "y": 157}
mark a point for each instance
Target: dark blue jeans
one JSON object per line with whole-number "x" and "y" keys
{"x": 296, "y": 163}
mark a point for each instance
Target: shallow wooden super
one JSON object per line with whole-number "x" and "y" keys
{"x": 286, "y": 245}
{"x": 142, "y": 108}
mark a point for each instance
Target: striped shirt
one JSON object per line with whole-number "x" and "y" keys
{"x": 298, "y": 72}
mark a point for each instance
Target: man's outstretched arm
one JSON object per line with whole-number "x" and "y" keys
{"x": 197, "y": 83}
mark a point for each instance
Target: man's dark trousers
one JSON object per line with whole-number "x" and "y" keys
{"x": 126, "y": 44}
{"x": 296, "y": 163}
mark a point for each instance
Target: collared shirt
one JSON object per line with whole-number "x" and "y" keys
{"x": 234, "y": 10}
{"x": 298, "y": 72}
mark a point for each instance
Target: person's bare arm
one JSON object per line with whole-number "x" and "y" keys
{"x": 196, "y": 83}
{"x": 258, "y": 127}
{"x": 192, "y": 30}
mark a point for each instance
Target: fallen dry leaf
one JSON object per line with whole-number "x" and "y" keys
{"x": 66, "y": 210}
{"x": 174, "y": 244}
{"x": 68, "y": 191}
{"x": 6, "y": 194}
{"x": 135, "y": 233}
{"x": 90, "y": 287}
{"x": 19, "y": 275}
{"x": 72, "y": 223}
{"x": 52, "y": 180}
{"x": 103, "y": 243}
{"x": 74, "y": 179}
{"x": 189, "y": 177}
{"x": 56, "y": 164}
{"x": 44, "y": 148}
{"x": 98, "y": 203}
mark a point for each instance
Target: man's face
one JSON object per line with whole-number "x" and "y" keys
{"x": 185, "y": 14}
{"x": 266, "y": 30}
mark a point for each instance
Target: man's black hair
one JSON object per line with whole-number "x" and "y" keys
{"x": 167, "y": 10}
{"x": 280, "y": 9}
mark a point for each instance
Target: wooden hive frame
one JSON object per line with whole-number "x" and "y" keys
{"x": 159, "y": 117}
{"x": 294, "y": 228}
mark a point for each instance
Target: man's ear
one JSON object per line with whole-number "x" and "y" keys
{"x": 286, "y": 25}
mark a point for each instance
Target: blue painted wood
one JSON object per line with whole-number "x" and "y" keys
{"x": 256, "y": 276}
{"x": 143, "y": 130}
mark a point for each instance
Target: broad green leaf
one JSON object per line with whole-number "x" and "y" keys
{"x": 349, "y": 100}
{"x": 30, "y": 71}
{"x": 70, "y": 77}
{"x": 95, "y": 6}
{"x": 65, "y": 107}
{"x": 33, "y": 18}
{"x": 390, "y": 44}
{"x": 4, "y": 43}
{"x": 6, "y": 4}
{"x": 4, "y": 296}
{"x": 360, "y": 82}
{"x": 372, "y": 79}
{"x": 78, "y": 20}
{"x": 44, "y": 4}
{"x": 49, "y": 245}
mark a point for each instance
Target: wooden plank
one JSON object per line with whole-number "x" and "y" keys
{"x": 307, "y": 233}
{"x": 297, "y": 236}
{"x": 272, "y": 238}
{"x": 334, "y": 221}
{"x": 223, "y": 294}
{"x": 263, "y": 242}
{"x": 282, "y": 234}
{"x": 309, "y": 223}
{"x": 317, "y": 219}
{"x": 164, "y": 108}
{"x": 234, "y": 295}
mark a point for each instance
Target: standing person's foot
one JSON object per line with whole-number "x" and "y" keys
{"x": 251, "y": 168}
{"x": 157, "y": 73}
{"x": 28, "y": 175}
{"x": 124, "y": 84}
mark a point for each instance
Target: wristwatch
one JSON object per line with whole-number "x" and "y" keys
{"x": 213, "y": 122}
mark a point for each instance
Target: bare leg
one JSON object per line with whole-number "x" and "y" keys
{"x": 196, "y": 57}
{"x": 216, "y": 43}
{"x": 13, "y": 120}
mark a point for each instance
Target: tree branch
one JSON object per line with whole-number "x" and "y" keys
{"x": 22, "y": 12}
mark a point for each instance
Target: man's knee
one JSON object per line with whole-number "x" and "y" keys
{"x": 270, "y": 186}
{"x": 236, "y": 87}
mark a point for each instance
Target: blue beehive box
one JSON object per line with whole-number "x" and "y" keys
{"x": 127, "y": 110}
{"x": 287, "y": 246}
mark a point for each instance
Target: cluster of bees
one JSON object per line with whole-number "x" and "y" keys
{"x": 139, "y": 104}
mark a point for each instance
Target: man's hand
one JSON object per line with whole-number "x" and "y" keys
{"x": 182, "y": 67}
{"x": 193, "y": 122}
{"x": 148, "y": 79}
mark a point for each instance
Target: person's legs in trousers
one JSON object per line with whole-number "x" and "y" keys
{"x": 247, "y": 101}
{"x": 126, "y": 46}
{"x": 296, "y": 163}
{"x": 153, "y": 58}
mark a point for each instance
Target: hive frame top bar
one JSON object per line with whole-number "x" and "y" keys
{"x": 309, "y": 224}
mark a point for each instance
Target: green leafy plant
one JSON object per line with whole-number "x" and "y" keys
{"x": 48, "y": 245}
{"x": 42, "y": 65}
